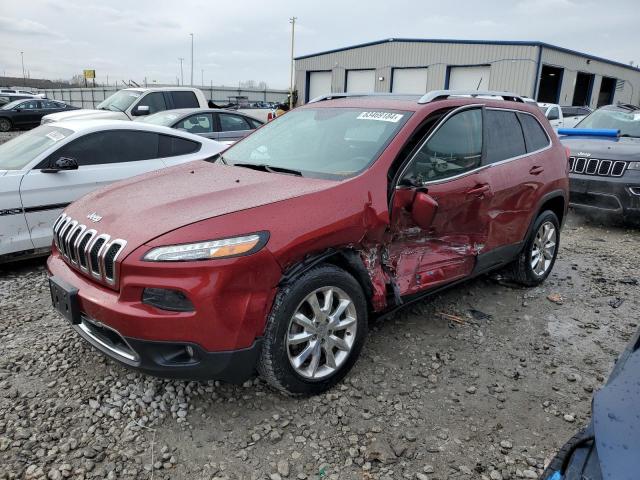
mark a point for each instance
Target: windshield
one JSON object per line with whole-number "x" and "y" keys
{"x": 119, "y": 101}
{"x": 321, "y": 142}
{"x": 161, "y": 118}
{"x": 11, "y": 105}
{"x": 20, "y": 151}
{"x": 628, "y": 122}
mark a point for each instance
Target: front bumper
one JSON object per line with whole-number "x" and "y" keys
{"x": 612, "y": 195}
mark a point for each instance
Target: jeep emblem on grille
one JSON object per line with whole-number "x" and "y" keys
{"x": 583, "y": 154}
{"x": 94, "y": 217}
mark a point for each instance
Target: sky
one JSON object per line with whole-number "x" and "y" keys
{"x": 250, "y": 39}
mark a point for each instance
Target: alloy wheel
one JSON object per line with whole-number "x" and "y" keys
{"x": 544, "y": 248}
{"x": 5, "y": 125}
{"x": 321, "y": 333}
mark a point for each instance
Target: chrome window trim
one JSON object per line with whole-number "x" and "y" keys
{"x": 481, "y": 167}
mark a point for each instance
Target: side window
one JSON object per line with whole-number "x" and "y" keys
{"x": 582, "y": 111}
{"x": 534, "y": 135}
{"x": 155, "y": 102}
{"x": 455, "y": 148}
{"x": 504, "y": 136}
{"x": 553, "y": 114}
{"x": 255, "y": 123}
{"x": 184, "y": 100}
{"x": 113, "y": 146}
{"x": 568, "y": 111}
{"x": 49, "y": 104}
{"x": 202, "y": 123}
{"x": 30, "y": 105}
{"x": 232, "y": 123}
{"x": 171, "y": 146}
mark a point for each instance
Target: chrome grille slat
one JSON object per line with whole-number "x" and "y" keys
{"x": 597, "y": 166}
{"x": 85, "y": 249}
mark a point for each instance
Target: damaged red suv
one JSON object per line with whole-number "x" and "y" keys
{"x": 272, "y": 256}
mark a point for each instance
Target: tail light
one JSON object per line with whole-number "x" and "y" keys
{"x": 270, "y": 116}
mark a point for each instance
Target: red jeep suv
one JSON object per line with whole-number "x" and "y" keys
{"x": 272, "y": 255}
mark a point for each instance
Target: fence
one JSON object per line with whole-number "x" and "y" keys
{"x": 91, "y": 97}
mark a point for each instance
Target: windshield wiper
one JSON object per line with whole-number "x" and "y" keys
{"x": 268, "y": 168}
{"x": 215, "y": 158}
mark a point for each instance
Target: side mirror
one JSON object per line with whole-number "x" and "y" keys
{"x": 423, "y": 210}
{"x": 140, "y": 110}
{"x": 63, "y": 163}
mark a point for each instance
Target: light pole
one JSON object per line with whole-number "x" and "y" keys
{"x": 292, "y": 21}
{"x": 24, "y": 78}
{"x": 181, "y": 74}
{"x": 191, "y": 59}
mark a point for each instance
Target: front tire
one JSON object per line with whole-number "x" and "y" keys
{"x": 5, "y": 125}
{"x": 315, "y": 332}
{"x": 536, "y": 260}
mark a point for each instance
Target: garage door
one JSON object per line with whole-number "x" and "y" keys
{"x": 409, "y": 80}
{"x": 319, "y": 84}
{"x": 361, "y": 81}
{"x": 469, "y": 78}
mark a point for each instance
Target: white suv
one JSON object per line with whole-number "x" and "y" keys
{"x": 134, "y": 102}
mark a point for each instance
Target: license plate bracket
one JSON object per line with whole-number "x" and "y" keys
{"x": 64, "y": 298}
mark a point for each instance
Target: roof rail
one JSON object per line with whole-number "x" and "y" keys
{"x": 435, "y": 95}
{"x": 331, "y": 96}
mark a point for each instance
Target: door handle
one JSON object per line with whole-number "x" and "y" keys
{"x": 479, "y": 190}
{"x": 536, "y": 170}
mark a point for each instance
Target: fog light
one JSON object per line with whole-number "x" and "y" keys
{"x": 165, "y": 299}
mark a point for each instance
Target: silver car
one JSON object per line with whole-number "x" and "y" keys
{"x": 225, "y": 126}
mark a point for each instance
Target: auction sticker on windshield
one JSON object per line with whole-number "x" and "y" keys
{"x": 55, "y": 136}
{"x": 381, "y": 116}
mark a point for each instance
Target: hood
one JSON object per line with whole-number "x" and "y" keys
{"x": 615, "y": 417}
{"x": 623, "y": 148}
{"x": 147, "y": 206}
{"x": 85, "y": 114}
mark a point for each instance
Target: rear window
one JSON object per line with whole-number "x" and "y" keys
{"x": 534, "y": 135}
{"x": 184, "y": 100}
{"x": 504, "y": 136}
{"x": 171, "y": 146}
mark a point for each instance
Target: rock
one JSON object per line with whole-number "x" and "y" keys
{"x": 422, "y": 476}
{"x": 466, "y": 470}
{"x": 569, "y": 418}
{"x": 283, "y": 468}
{"x": 506, "y": 444}
{"x": 380, "y": 451}
{"x": 471, "y": 390}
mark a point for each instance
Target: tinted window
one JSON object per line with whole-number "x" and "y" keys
{"x": 30, "y": 105}
{"x": 255, "y": 123}
{"x": 504, "y": 136}
{"x": 553, "y": 114}
{"x": 173, "y": 146}
{"x": 455, "y": 148}
{"x": 568, "y": 111}
{"x": 232, "y": 123}
{"x": 155, "y": 102}
{"x": 534, "y": 135}
{"x": 113, "y": 146}
{"x": 50, "y": 104}
{"x": 185, "y": 100}
{"x": 202, "y": 123}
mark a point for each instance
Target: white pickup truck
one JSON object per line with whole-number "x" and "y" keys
{"x": 134, "y": 102}
{"x": 563, "y": 117}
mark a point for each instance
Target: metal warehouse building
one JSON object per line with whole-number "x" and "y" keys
{"x": 533, "y": 69}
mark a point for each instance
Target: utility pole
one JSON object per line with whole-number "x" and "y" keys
{"x": 24, "y": 78}
{"x": 181, "y": 74}
{"x": 191, "y": 59}
{"x": 292, "y": 21}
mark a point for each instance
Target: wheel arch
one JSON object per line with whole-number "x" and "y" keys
{"x": 556, "y": 202}
{"x": 2, "y": 117}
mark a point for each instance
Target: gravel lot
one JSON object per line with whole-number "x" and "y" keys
{"x": 489, "y": 397}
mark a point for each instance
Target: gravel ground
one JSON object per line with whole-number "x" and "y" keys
{"x": 4, "y": 136}
{"x": 490, "y": 396}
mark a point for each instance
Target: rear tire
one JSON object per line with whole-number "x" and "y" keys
{"x": 536, "y": 260}
{"x": 5, "y": 125}
{"x": 315, "y": 332}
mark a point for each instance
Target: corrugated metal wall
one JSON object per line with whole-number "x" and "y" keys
{"x": 513, "y": 67}
{"x": 628, "y": 91}
{"x": 91, "y": 97}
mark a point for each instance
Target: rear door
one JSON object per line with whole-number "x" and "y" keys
{"x": 448, "y": 167}
{"x": 199, "y": 124}
{"x": 103, "y": 158}
{"x": 28, "y": 113}
{"x": 232, "y": 127}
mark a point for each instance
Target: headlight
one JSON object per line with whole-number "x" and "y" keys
{"x": 224, "y": 248}
{"x": 633, "y": 166}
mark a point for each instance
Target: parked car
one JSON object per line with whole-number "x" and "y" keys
{"x": 608, "y": 446}
{"x": 217, "y": 124}
{"x": 8, "y": 91}
{"x": 273, "y": 254}
{"x": 605, "y": 165}
{"x": 563, "y": 117}
{"x": 27, "y": 113}
{"x": 43, "y": 170}
{"x": 135, "y": 102}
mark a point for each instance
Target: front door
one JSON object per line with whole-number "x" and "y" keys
{"x": 27, "y": 113}
{"x": 448, "y": 168}
{"x": 102, "y": 157}
{"x": 232, "y": 127}
{"x": 198, "y": 124}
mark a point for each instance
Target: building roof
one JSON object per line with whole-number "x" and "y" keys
{"x": 523, "y": 43}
